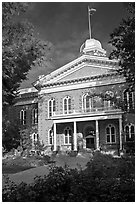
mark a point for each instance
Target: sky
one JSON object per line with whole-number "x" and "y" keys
{"x": 65, "y": 25}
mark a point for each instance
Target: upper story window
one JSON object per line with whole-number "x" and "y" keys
{"x": 51, "y": 107}
{"x": 23, "y": 117}
{"x": 129, "y": 100}
{"x": 68, "y": 135}
{"x": 67, "y": 105}
{"x": 87, "y": 102}
{"x": 34, "y": 115}
{"x": 50, "y": 136}
{"x": 111, "y": 134}
{"x": 92, "y": 102}
{"x": 129, "y": 133}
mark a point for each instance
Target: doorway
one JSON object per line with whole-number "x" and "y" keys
{"x": 90, "y": 138}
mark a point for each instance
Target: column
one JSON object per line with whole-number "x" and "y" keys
{"x": 120, "y": 132}
{"x": 97, "y": 135}
{"x": 75, "y": 136}
{"x": 55, "y": 137}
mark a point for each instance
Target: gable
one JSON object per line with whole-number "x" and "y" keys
{"x": 86, "y": 71}
{"x": 82, "y": 67}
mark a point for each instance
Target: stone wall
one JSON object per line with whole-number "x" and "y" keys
{"x": 46, "y": 123}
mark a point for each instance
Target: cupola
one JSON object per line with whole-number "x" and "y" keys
{"x": 92, "y": 47}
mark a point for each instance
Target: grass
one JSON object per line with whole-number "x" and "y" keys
{"x": 14, "y": 169}
{"x": 11, "y": 166}
{"x": 107, "y": 179}
{"x": 20, "y": 170}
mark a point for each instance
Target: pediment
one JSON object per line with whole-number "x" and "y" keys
{"x": 83, "y": 72}
{"x": 84, "y": 66}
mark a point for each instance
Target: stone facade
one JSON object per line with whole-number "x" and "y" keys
{"x": 73, "y": 110}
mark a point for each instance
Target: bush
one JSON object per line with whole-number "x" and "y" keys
{"x": 73, "y": 153}
{"x": 106, "y": 179}
{"x": 10, "y": 135}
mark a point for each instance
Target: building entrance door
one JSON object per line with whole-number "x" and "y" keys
{"x": 90, "y": 138}
{"x": 90, "y": 142}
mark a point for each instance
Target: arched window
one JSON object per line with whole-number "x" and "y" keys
{"x": 111, "y": 134}
{"x": 50, "y": 136}
{"x": 68, "y": 135}
{"x": 129, "y": 133}
{"x": 87, "y": 102}
{"x": 35, "y": 138}
{"x": 67, "y": 105}
{"x": 34, "y": 115}
{"x": 23, "y": 117}
{"x": 51, "y": 107}
{"x": 129, "y": 100}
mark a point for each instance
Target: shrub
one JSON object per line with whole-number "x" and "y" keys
{"x": 106, "y": 179}
{"x": 73, "y": 153}
{"x": 10, "y": 135}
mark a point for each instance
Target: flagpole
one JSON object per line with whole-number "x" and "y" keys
{"x": 89, "y": 23}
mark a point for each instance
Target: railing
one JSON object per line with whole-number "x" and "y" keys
{"x": 85, "y": 111}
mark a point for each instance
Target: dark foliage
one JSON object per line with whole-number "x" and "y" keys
{"x": 20, "y": 49}
{"x": 105, "y": 179}
{"x": 11, "y": 135}
{"x": 123, "y": 39}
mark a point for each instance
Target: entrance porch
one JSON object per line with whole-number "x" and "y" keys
{"x": 89, "y": 132}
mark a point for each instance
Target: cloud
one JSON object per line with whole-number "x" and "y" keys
{"x": 65, "y": 24}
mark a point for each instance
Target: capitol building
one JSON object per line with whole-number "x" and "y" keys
{"x": 77, "y": 106}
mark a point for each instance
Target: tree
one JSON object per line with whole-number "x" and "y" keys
{"x": 20, "y": 50}
{"x": 123, "y": 39}
{"x": 11, "y": 135}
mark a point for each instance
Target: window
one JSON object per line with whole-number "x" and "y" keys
{"x": 129, "y": 100}
{"x": 110, "y": 134}
{"x": 68, "y": 135}
{"x": 67, "y": 105}
{"x": 129, "y": 133}
{"x": 50, "y": 134}
{"x": 91, "y": 103}
{"x": 23, "y": 117}
{"x": 87, "y": 102}
{"x": 35, "y": 138}
{"x": 51, "y": 107}
{"x": 35, "y": 116}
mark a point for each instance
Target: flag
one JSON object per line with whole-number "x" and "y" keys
{"x": 91, "y": 10}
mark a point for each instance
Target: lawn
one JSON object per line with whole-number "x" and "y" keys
{"x": 24, "y": 170}
{"x": 18, "y": 164}
{"x": 102, "y": 179}
{"x": 14, "y": 169}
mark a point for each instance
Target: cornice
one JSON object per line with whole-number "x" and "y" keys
{"x": 29, "y": 95}
{"x": 84, "y": 59}
{"x": 90, "y": 61}
{"x": 80, "y": 80}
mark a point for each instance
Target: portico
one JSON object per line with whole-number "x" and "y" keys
{"x": 76, "y": 122}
